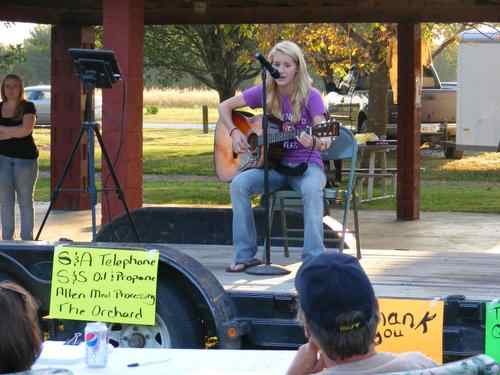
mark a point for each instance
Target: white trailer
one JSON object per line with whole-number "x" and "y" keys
{"x": 478, "y": 92}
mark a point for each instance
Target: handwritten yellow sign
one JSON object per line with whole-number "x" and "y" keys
{"x": 411, "y": 325}
{"x": 107, "y": 285}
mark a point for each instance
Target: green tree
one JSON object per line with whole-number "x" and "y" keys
{"x": 444, "y": 39}
{"x": 446, "y": 63}
{"x": 216, "y": 55}
{"x": 10, "y": 57}
{"x": 326, "y": 47}
{"x": 35, "y": 69}
{"x": 373, "y": 41}
{"x": 31, "y": 60}
{"x": 331, "y": 49}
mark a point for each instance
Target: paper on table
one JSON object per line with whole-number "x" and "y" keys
{"x": 55, "y": 352}
{"x": 50, "y": 371}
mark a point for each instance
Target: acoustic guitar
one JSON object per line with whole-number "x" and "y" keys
{"x": 228, "y": 164}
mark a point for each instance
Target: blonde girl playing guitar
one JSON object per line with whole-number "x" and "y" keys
{"x": 292, "y": 99}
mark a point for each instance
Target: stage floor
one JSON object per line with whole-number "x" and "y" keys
{"x": 443, "y": 253}
{"x": 394, "y": 273}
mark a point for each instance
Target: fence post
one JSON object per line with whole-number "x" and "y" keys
{"x": 205, "y": 118}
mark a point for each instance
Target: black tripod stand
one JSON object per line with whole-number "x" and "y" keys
{"x": 96, "y": 68}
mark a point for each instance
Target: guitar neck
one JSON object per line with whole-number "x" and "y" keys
{"x": 281, "y": 136}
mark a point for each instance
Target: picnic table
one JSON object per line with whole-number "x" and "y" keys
{"x": 138, "y": 361}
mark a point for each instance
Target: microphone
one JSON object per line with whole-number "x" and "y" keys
{"x": 267, "y": 65}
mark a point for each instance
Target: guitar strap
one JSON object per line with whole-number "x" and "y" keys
{"x": 298, "y": 170}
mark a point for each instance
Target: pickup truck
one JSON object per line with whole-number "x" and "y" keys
{"x": 349, "y": 104}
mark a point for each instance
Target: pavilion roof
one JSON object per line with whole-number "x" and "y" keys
{"x": 87, "y": 12}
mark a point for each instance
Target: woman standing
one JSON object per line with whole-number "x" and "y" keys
{"x": 18, "y": 158}
{"x": 292, "y": 99}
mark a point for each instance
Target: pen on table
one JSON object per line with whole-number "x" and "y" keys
{"x": 146, "y": 363}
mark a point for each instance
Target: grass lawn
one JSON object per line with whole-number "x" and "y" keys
{"x": 181, "y": 115}
{"x": 166, "y": 151}
{"x": 166, "y": 192}
{"x": 456, "y": 196}
{"x": 174, "y": 151}
{"x": 470, "y": 184}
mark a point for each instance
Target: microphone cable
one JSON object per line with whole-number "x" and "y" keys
{"x": 115, "y": 162}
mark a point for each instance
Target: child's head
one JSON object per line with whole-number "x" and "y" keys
{"x": 21, "y": 341}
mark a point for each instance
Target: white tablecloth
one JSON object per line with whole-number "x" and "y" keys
{"x": 179, "y": 361}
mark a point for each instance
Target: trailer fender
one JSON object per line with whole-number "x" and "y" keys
{"x": 11, "y": 269}
{"x": 199, "y": 288}
{"x": 181, "y": 278}
{"x": 192, "y": 310}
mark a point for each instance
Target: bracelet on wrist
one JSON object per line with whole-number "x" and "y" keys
{"x": 232, "y": 130}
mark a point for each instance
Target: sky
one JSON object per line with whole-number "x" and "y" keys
{"x": 15, "y": 33}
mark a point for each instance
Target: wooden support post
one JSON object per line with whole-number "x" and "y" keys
{"x": 409, "y": 102}
{"x": 123, "y": 22}
{"x": 66, "y": 116}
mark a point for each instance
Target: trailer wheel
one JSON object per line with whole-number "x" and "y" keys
{"x": 176, "y": 326}
{"x": 451, "y": 152}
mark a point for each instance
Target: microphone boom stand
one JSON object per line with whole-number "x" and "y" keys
{"x": 267, "y": 268}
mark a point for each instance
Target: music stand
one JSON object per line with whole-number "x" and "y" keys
{"x": 97, "y": 69}
{"x": 267, "y": 268}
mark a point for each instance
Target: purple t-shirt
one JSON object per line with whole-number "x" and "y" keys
{"x": 295, "y": 153}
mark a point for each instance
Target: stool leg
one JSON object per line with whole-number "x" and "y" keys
{"x": 361, "y": 186}
{"x": 272, "y": 200}
{"x": 371, "y": 177}
{"x": 394, "y": 183}
{"x": 356, "y": 224}
{"x": 384, "y": 170}
{"x": 284, "y": 228}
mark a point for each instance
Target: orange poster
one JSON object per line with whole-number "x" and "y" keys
{"x": 411, "y": 326}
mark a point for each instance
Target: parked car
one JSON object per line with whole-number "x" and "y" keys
{"x": 40, "y": 96}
